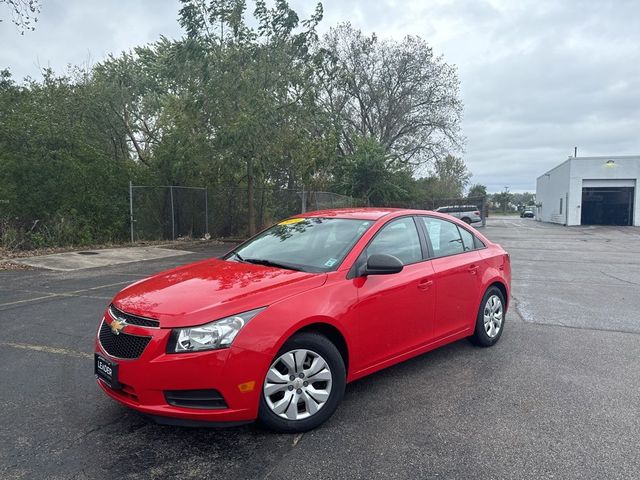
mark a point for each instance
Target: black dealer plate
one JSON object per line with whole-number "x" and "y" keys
{"x": 107, "y": 371}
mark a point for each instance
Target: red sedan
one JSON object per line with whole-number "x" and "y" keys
{"x": 276, "y": 328}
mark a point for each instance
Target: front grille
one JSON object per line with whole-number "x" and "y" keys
{"x": 121, "y": 345}
{"x": 195, "y": 399}
{"x": 132, "y": 319}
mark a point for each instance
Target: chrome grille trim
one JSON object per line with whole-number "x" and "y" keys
{"x": 130, "y": 319}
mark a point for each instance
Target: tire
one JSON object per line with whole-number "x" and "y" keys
{"x": 489, "y": 330}
{"x": 466, "y": 220}
{"x": 313, "y": 356}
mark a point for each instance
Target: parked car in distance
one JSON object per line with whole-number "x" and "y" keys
{"x": 526, "y": 214}
{"x": 276, "y": 328}
{"x": 467, "y": 213}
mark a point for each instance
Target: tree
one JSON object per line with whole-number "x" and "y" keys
{"x": 56, "y": 162}
{"x": 478, "y": 191}
{"x": 398, "y": 93}
{"x": 450, "y": 177}
{"x": 260, "y": 80}
{"x": 248, "y": 103}
{"x": 24, "y": 13}
{"x": 503, "y": 200}
{"x": 523, "y": 199}
{"x": 371, "y": 175}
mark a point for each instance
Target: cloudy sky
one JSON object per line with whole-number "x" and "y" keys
{"x": 538, "y": 76}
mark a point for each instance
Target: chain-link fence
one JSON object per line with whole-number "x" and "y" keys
{"x": 168, "y": 212}
{"x": 171, "y": 212}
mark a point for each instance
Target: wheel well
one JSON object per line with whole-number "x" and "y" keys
{"x": 334, "y": 335}
{"x": 503, "y": 289}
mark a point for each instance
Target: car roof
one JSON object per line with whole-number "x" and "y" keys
{"x": 470, "y": 207}
{"x": 376, "y": 213}
{"x": 361, "y": 213}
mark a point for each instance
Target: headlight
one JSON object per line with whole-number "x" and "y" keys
{"x": 211, "y": 336}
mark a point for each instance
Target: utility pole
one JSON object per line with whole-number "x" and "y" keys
{"x": 173, "y": 217}
{"x": 206, "y": 211}
{"x": 505, "y": 199}
{"x": 131, "y": 208}
{"x": 303, "y": 207}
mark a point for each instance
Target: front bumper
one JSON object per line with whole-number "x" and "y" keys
{"x": 237, "y": 374}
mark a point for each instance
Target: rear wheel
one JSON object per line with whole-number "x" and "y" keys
{"x": 304, "y": 384}
{"x": 490, "y": 320}
{"x": 466, "y": 220}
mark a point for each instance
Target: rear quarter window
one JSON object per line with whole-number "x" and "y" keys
{"x": 468, "y": 239}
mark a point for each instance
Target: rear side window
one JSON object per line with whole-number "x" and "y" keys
{"x": 400, "y": 239}
{"x": 444, "y": 236}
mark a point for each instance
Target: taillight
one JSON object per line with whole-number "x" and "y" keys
{"x": 476, "y": 213}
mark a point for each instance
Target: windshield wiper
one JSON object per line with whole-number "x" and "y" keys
{"x": 269, "y": 263}
{"x": 237, "y": 255}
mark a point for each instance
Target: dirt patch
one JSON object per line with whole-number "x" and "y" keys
{"x": 6, "y": 255}
{"x": 7, "y": 265}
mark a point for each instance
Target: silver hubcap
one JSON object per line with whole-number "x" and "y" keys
{"x": 298, "y": 384}
{"x": 493, "y": 314}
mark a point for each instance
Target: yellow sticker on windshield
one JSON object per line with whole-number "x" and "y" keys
{"x": 291, "y": 221}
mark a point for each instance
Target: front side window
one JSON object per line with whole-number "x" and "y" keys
{"x": 398, "y": 238}
{"x": 444, "y": 236}
{"x": 310, "y": 244}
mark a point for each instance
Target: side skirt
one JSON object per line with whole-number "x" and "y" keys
{"x": 410, "y": 354}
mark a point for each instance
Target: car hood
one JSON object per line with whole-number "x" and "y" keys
{"x": 211, "y": 289}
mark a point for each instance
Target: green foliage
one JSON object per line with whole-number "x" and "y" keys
{"x": 55, "y": 163}
{"x": 249, "y": 102}
{"x": 524, "y": 199}
{"x": 369, "y": 173}
{"x": 478, "y": 191}
{"x": 502, "y": 201}
{"x": 448, "y": 179}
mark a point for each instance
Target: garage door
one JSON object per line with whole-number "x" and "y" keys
{"x": 607, "y": 205}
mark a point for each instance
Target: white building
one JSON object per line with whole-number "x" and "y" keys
{"x": 591, "y": 191}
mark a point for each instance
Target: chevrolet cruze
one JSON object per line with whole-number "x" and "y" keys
{"x": 277, "y": 327}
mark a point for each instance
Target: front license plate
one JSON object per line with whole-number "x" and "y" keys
{"x": 107, "y": 371}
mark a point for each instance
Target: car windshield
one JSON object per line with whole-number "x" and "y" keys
{"x": 308, "y": 244}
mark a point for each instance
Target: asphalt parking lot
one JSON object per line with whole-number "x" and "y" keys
{"x": 557, "y": 397}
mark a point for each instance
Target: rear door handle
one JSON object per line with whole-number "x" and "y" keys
{"x": 425, "y": 284}
{"x": 473, "y": 269}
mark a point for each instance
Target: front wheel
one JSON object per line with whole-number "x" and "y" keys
{"x": 304, "y": 385}
{"x": 490, "y": 320}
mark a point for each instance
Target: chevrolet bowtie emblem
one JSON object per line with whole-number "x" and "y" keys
{"x": 117, "y": 326}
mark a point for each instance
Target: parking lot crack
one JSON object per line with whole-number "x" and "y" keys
{"x": 294, "y": 444}
{"x": 619, "y": 279}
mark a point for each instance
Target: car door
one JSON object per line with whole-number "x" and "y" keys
{"x": 456, "y": 265}
{"x": 393, "y": 313}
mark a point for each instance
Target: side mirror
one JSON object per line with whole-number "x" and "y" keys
{"x": 382, "y": 264}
